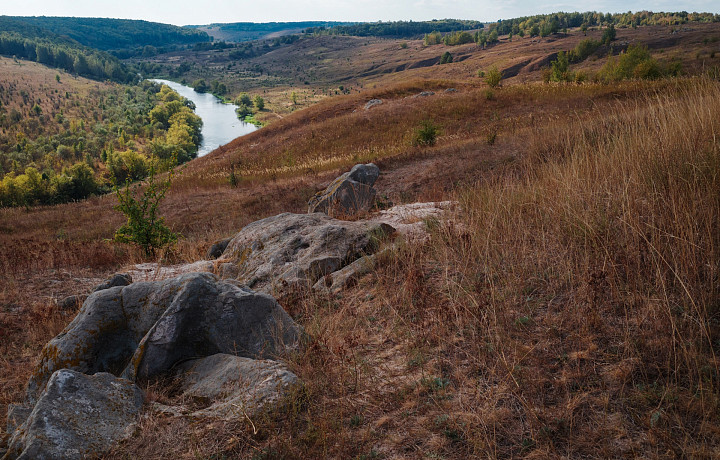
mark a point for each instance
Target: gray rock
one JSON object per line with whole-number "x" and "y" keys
{"x": 118, "y": 279}
{"x": 450, "y": 90}
{"x": 425, "y": 94}
{"x": 349, "y": 194}
{"x": 157, "y": 272}
{"x": 72, "y": 302}
{"x": 143, "y": 329}
{"x": 77, "y": 416}
{"x": 217, "y": 248}
{"x": 346, "y": 276}
{"x": 295, "y": 250}
{"x": 365, "y": 174}
{"x": 372, "y": 103}
{"x": 208, "y": 317}
{"x": 230, "y": 386}
{"x": 17, "y": 414}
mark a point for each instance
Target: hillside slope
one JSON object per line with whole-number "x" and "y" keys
{"x": 318, "y": 67}
{"x": 567, "y": 309}
{"x": 103, "y": 33}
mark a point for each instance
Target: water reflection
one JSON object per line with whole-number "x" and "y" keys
{"x": 220, "y": 123}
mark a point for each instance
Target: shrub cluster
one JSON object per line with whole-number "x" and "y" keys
{"x": 83, "y": 159}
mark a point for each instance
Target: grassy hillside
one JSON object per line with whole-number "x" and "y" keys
{"x": 318, "y": 67}
{"x": 569, "y": 307}
{"x": 101, "y": 33}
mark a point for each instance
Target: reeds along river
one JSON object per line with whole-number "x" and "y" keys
{"x": 220, "y": 123}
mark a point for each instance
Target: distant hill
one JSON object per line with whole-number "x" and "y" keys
{"x": 101, "y": 33}
{"x": 398, "y": 29}
{"x": 248, "y": 31}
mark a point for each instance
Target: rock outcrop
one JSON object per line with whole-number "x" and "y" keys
{"x": 296, "y": 250}
{"x": 349, "y": 194}
{"x": 217, "y": 248}
{"x": 118, "y": 279}
{"x": 157, "y": 272}
{"x": 142, "y": 330}
{"x": 77, "y": 416}
{"x": 72, "y": 302}
{"x": 230, "y": 386}
{"x": 372, "y": 103}
{"x": 346, "y": 276}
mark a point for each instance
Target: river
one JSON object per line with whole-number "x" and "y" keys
{"x": 220, "y": 123}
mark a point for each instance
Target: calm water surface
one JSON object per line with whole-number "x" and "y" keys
{"x": 220, "y": 123}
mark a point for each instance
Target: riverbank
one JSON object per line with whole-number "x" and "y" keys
{"x": 220, "y": 122}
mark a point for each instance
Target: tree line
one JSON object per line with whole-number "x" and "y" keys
{"x": 75, "y": 59}
{"x": 397, "y": 29}
{"x": 546, "y": 24}
{"x": 102, "y": 33}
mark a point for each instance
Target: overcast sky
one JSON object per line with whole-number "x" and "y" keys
{"x": 183, "y": 12}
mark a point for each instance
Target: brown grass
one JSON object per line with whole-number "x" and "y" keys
{"x": 570, "y": 309}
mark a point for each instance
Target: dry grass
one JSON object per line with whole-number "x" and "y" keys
{"x": 569, "y": 310}
{"x": 577, "y": 302}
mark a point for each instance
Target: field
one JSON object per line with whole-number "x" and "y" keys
{"x": 568, "y": 308}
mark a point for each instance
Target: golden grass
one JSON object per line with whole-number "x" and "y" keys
{"x": 569, "y": 309}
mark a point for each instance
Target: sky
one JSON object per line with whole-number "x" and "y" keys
{"x": 185, "y": 12}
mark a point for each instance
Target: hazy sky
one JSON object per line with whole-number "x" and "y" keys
{"x": 183, "y": 12}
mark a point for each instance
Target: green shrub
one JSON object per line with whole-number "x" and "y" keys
{"x": 493, "y": 77}
{"x": 200, "y": 86}
{"x": 636, "y": 62}
{"x": 446, "y": 58}
{"x": 127, "y": 166}
{"x": 426, "y": 134}
{"x": 608, "y": 35}
{"x": 243, "y": 111}
{"x": 560, "y": 68}
{"x": 458, "y": 38}
{"x": 144, "y": 226}
{"x": 433, "y": 38}
{"x": 243, "y": 99}
{"x": 583, "y": 50}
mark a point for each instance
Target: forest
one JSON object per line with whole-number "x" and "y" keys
{"x": 102, "y": 33}
{"x": 66, "y": 55}
{"x": 82, "y": 144}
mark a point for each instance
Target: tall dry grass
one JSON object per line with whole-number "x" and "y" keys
{"x": 569, "y": 310}
{"x": 576, "y": 303}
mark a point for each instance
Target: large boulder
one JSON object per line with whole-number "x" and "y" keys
{"x": 296, "y": 250}
{"x": 118, "y": 279}
{"x": 228, "y": 386}
{"x": 349, "y": 194}
{"x": 143, "y": 329}
{"x": 77, "y": 416}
